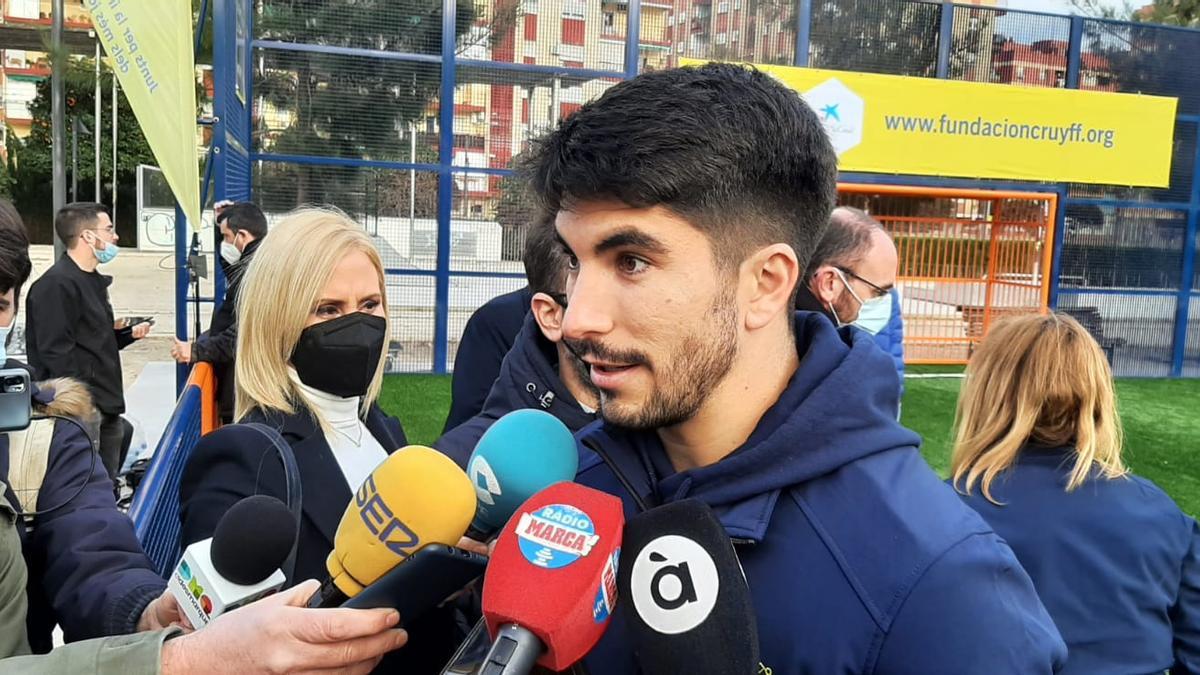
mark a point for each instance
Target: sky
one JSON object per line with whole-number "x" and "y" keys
{"x": 1064, "y": 6}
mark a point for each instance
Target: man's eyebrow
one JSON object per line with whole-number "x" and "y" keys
{"x": 633, "y": 238}
{"x": 562, "y": 242}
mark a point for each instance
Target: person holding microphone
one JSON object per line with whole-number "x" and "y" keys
{"x": 312, "y": 328}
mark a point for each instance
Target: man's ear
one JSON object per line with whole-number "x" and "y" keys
{"x": 549, "y": 316}
{"x": 826, "y": 284}
{"x": 771, "y": 274}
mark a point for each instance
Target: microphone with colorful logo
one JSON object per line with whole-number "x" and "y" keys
{"x": 550, "y": 587}
{"x": 686, "y": 600}
{"x": 521, "y": 453}
{"x": 239, "y": 564}
{"x": 415, "y": 498}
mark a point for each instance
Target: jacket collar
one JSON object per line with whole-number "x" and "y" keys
{"x": 746, "y": 520}
{"x": 316, "y": 463}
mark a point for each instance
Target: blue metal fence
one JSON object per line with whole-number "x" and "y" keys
{"x": 409, "y": 120}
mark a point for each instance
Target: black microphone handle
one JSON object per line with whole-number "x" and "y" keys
{"x": 328, "y": 595}
{"x": 514, "y": 652}
{"x": 481, "y": 535}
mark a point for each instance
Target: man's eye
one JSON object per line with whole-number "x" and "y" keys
{"x": 572, "y": 263}
{"x": 632, "y": 265}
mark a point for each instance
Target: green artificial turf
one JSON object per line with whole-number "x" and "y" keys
{"x": 1161, "y": 418}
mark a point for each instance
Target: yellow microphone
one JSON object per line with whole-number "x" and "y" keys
{"x": 416, "y": 497}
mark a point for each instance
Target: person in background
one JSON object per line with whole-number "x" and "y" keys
{"x": 851, "y": 273}
{"x": 242, "y": 228}
{"x": 686, "y": 200}
{"x": 70, "y": 330}
{"x": 487, "y": 337}
{"x": 539, "y": 371}
{"x": 89, "y": 574}
{"x": 1037, "y": 452}
{"x": 312, "y": 326}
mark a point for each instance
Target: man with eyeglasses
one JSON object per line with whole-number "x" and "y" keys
{"x": 70, "y": 330}
{"x": 852, "y": 281}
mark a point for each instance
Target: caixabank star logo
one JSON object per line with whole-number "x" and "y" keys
{"x": 840, "y": 111}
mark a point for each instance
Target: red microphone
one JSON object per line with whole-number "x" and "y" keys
{"x": 551, "y": 585}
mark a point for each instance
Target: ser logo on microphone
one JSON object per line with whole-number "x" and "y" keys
{"x": 381, "y": 522}
{"x": 674, "y": 584}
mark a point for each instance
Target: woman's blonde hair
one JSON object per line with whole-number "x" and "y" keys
{"x": 1037, "y": 378}
{"x": 279, "y": 293}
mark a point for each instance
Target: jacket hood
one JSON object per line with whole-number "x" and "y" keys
{"x": 839, "y": 407}
{"x": 529, "y": 378}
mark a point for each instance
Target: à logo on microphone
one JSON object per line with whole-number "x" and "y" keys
{"x": 673, "y": 584}
{"x": 555, "y": 536}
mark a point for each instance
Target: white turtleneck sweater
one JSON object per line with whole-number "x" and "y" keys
{"x": 355, "y": 449}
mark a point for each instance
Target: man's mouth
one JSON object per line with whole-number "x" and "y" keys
{"x": 609, "y": 368}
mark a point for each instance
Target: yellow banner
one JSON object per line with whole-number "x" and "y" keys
{"x": 149, "y": 43}
{"x": 914, "y": 125}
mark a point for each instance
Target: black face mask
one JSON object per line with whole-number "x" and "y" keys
{"x": 340, "y": 356}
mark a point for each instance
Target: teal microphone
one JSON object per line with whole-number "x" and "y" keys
{"x": 521, "y": 454}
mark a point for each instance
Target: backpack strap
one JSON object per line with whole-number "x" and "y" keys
{"x": 29, "y": 457}
{"x": 291, "y": 476}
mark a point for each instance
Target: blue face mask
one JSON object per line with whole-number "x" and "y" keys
{"x": 873, "y": 314}
{"x": 106, "y": 254}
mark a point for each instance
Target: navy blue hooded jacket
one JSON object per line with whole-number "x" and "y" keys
{"x": 528, "y": 379}
{"x": 859, "y": 559}
{"x": 891, "y": 338}
{"x": 87, "y": 571}
{"x": 1116, "y": 563}
{"x": 486, "y": 338}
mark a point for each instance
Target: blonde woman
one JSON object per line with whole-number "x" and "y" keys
{"x": 1037, "y": 453}
{"x": 312, "y": 326}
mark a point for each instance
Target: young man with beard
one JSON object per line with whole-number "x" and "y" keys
{"x": 688, "y": 202}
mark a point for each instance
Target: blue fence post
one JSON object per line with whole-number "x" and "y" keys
{"x": 1060, "y": 232}
{"x": 803, "y": 31}
{"x": 181, "y": 290}
{"x": 441, "y": 293}
{"x": 633, "y": 39}
{"x": 945, "y": 39}
{"x": 1074, "y": 52}
{"x": 1188, "y": 272}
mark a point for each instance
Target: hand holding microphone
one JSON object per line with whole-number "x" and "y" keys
{"x": 239, "y": 564}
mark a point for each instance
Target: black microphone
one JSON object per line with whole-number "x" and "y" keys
{"x": 684, "y": 594}
{"x": 239, "y": 564}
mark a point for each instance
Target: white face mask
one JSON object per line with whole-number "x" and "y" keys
{"x": 230, "y": 252}
{"x": 873, "y": 314}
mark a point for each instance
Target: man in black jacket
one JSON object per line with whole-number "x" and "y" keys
{"x": 243, "y": 226}
{"x": 539, "y": 371}
{"x": 70, "y": 330}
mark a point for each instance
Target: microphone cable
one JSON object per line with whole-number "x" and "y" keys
{"x": 28, "y": 516}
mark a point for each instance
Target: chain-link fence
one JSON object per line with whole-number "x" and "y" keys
{"x": 408, "y": 115}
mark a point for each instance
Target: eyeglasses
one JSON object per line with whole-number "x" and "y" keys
{"x": 879, "y": 292}
{"x": 110, "y": 229}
